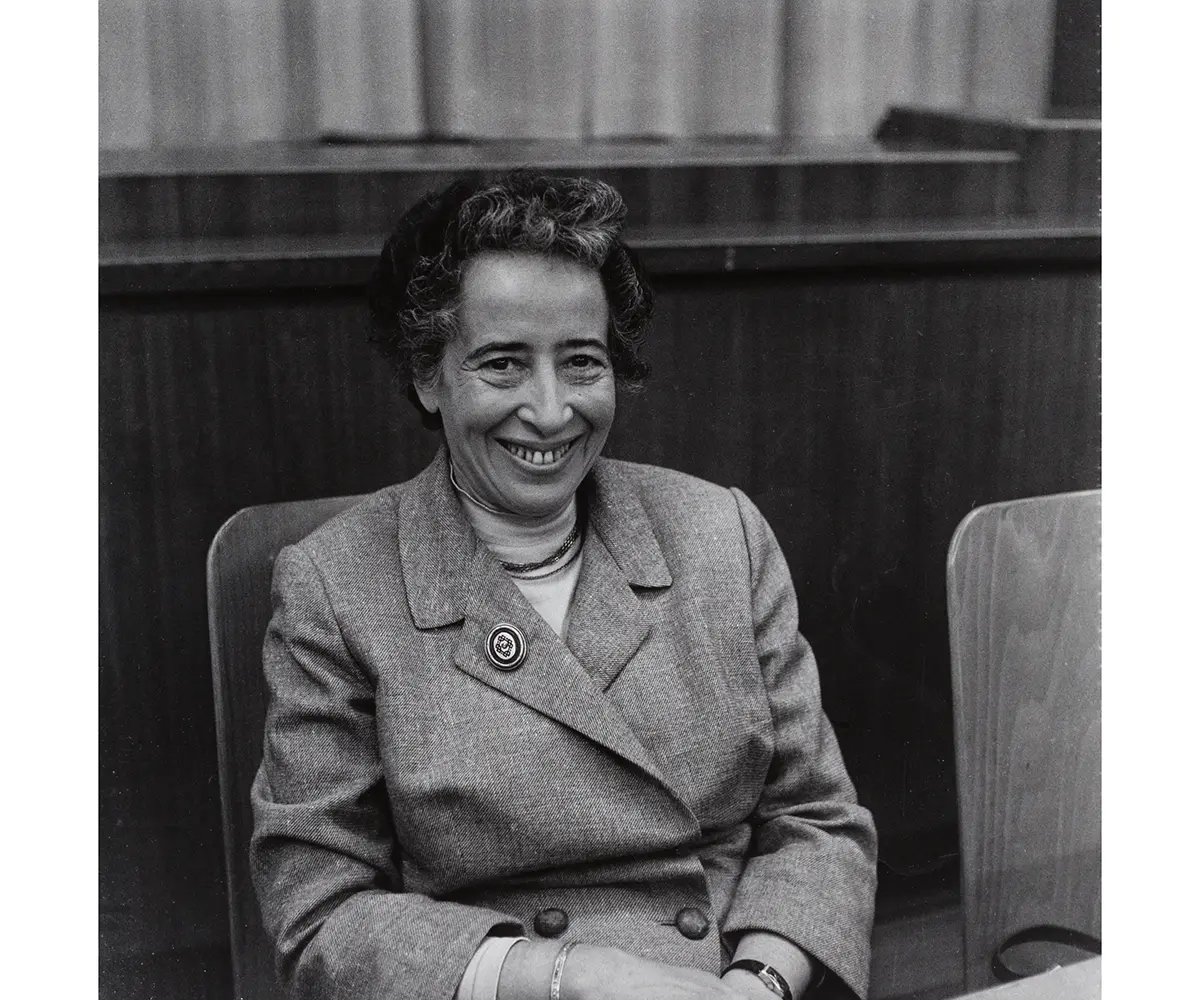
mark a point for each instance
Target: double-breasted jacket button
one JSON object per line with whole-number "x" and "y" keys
{"x": 506, "y": 647}
{"x": 691, "y": 923}
{"x": 551, "y": 922}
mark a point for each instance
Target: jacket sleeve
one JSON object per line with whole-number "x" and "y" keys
{"x": 324, "y": 854}
{"x": 810, "y": 876}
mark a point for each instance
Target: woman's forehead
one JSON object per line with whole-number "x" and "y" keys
{"x": 504, "y": 294}
{"x": 521, "y": 273}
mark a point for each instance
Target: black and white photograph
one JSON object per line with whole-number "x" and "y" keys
{"x": 600, "y": 499}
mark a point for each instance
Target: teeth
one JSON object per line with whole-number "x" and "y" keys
{"x": 538, "y": 457}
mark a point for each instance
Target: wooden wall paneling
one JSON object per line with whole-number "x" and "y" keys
{"x": 832, "y": 192}
{"x": 766, "y": 189}
{"x": 863, "y": 410}
{"x": 1060, "y": 173}
{"x": 159, "y": 829}
{"x": 206, "y": 409}
{"x": 125, "y": 209}
{"x": 1046, "y": 170}
{"x": 232, "y": 205}
{"x": 1058, "y": 176}
{"x": 1086, "y": 171}
{"x": 818, "y": 192}
{"x": 346, "y": 261}
{"x": 879, "y": 192}
{"x": 702, "y": 194}
{"x": 374, "y": 203}
{"x": 942, "y": 190}
{"x": 889, "y": 646}
{"x": 733, "y": 378}
{"x": 879, "y": 598}
{"x": 1014, "y": 393}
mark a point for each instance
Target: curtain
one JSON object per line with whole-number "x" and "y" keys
{"x": 223, "y": 72}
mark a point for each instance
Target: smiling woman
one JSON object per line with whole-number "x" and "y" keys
{"x": 541, "y": 723}
{"x": 526, "y": 390}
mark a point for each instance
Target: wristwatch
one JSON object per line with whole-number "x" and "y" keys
{"x": 768, "y": 976}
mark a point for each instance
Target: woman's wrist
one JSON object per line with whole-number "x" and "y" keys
{"x": 527, "y": 971}
{"x": 790, "y": 961}
{"x": 748, "y": 984}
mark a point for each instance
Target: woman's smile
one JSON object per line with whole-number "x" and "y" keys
{"x": 540, "y": 457}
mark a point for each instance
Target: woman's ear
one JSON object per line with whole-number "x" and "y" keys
{"x": 428, "y": 397}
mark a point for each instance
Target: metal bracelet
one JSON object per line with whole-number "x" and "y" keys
{"x": 560, "y": 961}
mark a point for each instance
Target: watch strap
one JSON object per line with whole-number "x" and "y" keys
{"x": 770, "y": 977}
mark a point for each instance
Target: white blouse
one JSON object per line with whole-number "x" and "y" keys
{"x": 522, "y": 541}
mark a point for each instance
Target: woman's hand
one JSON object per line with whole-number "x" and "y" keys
{"x": 594, "y": 972}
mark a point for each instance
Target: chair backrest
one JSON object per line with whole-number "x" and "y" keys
{"x": 1024, "y": 599}
{"x": 240, "y": 562}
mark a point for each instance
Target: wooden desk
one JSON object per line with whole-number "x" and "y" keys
{"x": 1079, "y": 981}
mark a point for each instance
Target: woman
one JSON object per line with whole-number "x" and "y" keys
{"x": 541, "y": 723}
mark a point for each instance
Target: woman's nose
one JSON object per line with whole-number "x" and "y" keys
{"x": 546, "y": 407}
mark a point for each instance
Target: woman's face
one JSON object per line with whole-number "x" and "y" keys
{"x": 526, "y": 390}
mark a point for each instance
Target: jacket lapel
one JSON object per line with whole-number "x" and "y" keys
{"x": 550, "y": 680}
{"x": 608, "y": 623}
{"x": 450, "y": 576}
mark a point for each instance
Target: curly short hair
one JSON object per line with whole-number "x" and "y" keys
{"x": 414, "y": 292}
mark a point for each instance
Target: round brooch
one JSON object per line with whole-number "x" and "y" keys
{"x": 506, "y": 647}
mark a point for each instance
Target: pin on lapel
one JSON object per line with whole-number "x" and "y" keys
{"x": 506, "y": 647}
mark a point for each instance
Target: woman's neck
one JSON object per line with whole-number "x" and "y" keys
{"x": 518, "y": 539}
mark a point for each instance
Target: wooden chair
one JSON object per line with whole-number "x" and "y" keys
{"x": 1024, "y": 600}
{"x": 240, "y": 562}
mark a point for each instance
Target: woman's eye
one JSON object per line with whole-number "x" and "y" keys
{"x": 498, "y": 364}
{"x": 585, "y": 361}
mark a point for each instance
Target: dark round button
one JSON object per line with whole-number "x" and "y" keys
{"x": 551, "y": 922}
{"x": 691, "y": 923}
{"x": 505, "y": 646}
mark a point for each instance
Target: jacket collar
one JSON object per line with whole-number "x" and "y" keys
{"x": 438, "y": 547}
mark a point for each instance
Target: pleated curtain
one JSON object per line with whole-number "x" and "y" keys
{"x": 225, "y": 72}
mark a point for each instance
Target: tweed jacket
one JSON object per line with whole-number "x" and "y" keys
{"x": 671, "y": 753}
